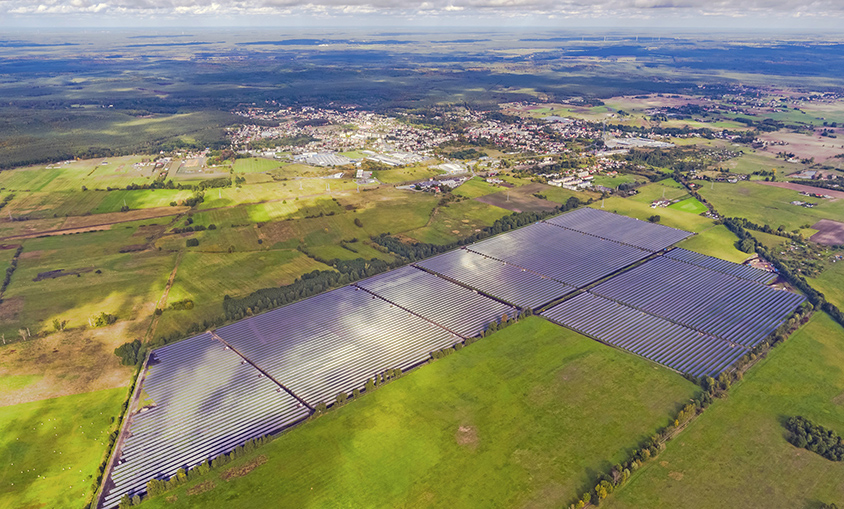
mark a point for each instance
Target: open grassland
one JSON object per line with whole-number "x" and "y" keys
{"x": 476, "y": 187}
{"x": 716, "y": 241}
{"x": 736, "y": 454}
{"x": 97, "y": 278}
{"x": 668, "y": 189}
{"x": 603, "y": 180}
{"x": 69, "y": 362}
{"x": 769, "y": 240}
{"x": 50, "y": 449}
{"x": 668, "y": 217}
{"x": 831, "y": 283}
{"x": 274, "y": 191}
{"x": 458, "y": 220}
{"x": 205, "y": 278}
{"x": 407, "y": 174}
{"x": 255, "y": 165}
{"x": 769, "y": 205}
{"x": 510, "y": 421}
{"x": 79, "y": 203}
{"x": 72, "y": 175}
{"x": 749, "y": 162}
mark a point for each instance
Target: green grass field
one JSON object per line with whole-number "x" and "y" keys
{"x": 206, "y": 277}
{"x": 458, "y": 220}
{"x": 768, "y": 204}
{"x": 749, "y": 162}
{"x": 717, "y": 241}
{"x": 524, "y": 417}
{"x": 476, "y": 187}
{"x": 409, "y": 174}
{"x": 736, "y": 454}
{"x": 690, "y": 205}
{"x": 603, "y": 180}
{"x": 40, "y": 470}
{"x": 831, "y": 283}
{"x": 668, "y": 189}
{"x": 668, "y": 217}
{"x": 255, "y": 165}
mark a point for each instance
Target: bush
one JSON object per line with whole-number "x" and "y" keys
{"x": 192, "y": 242}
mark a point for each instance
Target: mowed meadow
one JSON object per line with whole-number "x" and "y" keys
{"x": 736, "y": 453}
{"x": 524, "y": 417}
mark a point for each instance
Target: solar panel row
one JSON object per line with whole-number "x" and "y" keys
{"x": 567, "y": 256}
{"x": 654, "y": 338}
{"x": 719, "y": 265}
{"x": 334, "y": 342}
{"x": 449, "y": 305}
{"x": 711, "y": 302}
{"x": 623, "y": 229}
{"x": 505, "y": 282}
{"x": 207, "y": 401}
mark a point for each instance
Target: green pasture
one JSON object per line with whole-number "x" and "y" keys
{"x": 768, "y": 204}
{"x": 690, "y": 205}
{"x": 831, "y": 283}
{"x": 126, "y": 285}
{"x": 476, "y": 187}
{"x": 749, "y": 162}
{"x": 613, "y": 182}
{"x": 39, "y": 470}
{"x": 496, "y": 424}
{"x": 668, "y": 216}
{"x": 406, "y": 174}
{"x": 458, "y": 220}
{"x": 716, "y": 241}
{"x": 668, "y": 189}
{"x": 255, "y": 165}
{"x": 205, "y": 278}
{"x": 736, "y": 454}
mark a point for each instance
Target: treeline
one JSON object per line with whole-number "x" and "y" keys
{"x": 677, "y": 159}
{"x": 620, "y": 473}
{"x": 307, "y": 285}
{"x": 794, "y": 279}
{"x": 13, "y": 265}
{"x": 836, "y": 184}
{"x": 421, "y": 250}
{"x": 805, "y": 434}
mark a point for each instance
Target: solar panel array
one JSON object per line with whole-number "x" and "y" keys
{"x": 207, "y": 402}
{"x": 505, "y": 282}
{"x": 723, "y": 266}
{"x": 453, "y": 307}
{"x": 567, "y": 256}
{"x": 705, "y": 300}
{"x": 334, "y": 342}
{"x": 623, "y": 229}
{"x": 209, "y": 399}
{"x": 654, "y": 338}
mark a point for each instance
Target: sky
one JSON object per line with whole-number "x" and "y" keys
{"x": 805, "y": 15}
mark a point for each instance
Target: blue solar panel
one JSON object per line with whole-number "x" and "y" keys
{"x": 507, "y": 283}
{"x": 723, "y": 266}
{"x": 453, "y": 307}
{"x": 654, "y": 338}
{"x": 622, "y": 229}
{"x": 334, "y": 342}
{"x": 706, "y": 300}
{"x": 207, "y": 401}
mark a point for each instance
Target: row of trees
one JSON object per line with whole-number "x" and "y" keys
{"x": 13, "y": 265}
{"x": 814, "y": 437}
{"x": 421, "y": 250}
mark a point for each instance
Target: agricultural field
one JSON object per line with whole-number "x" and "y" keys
{"x": 401, "y": 175}
{"x": 768, "y": 204}
{"x": 716, "y": 241}
{"x": 255, "y": 165}
{"x": 830, "y": 282}
{"x": 444, "y": 434}
{"x": 457, "y": 220}
{"x": 751, "y": 161}
{"x": 668, "y": 189}
{"x": 43, "y": 471}
{"x": 75, "y": 277}
{"x": 736, "y": 454}
{"x": 668, "y": 217}
{"x": 623, "y": 178}
{"x": 204, "y": 278}
{"x": 475, "y": 188}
